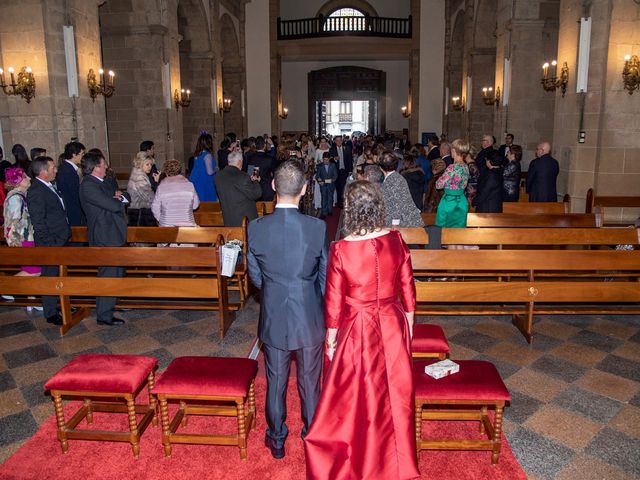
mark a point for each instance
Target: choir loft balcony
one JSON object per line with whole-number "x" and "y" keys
{"x": 363, "y": 26}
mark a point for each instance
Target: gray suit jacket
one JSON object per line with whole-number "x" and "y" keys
{"x": 106, "y": 223}
{"x": 287, "y": 259}
{"x": 238, "y": 195}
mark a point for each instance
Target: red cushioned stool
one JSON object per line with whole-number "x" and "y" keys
{"x": 108, "y": 377}
{"x": 477, "y": 387}
{"x": 193, "y": 381}
{"x": 429, "y": 342}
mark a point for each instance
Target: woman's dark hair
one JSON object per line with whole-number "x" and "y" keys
{"x": 224, "y": 144}
{"x": 494, "y": 159}
{"x": 388, "y": 161}
{"x": 517, "y": 151}
{"x": 20, "y": 154}
{"x": 205, "y": 142}
{"x": 364, "y": 210}
{"x": 409, "y": 162}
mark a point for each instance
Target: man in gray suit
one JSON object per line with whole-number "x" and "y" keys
{"x": 237, "y": 192}
{"x": 106, "y": 224}
{"x": 287, "y": 259}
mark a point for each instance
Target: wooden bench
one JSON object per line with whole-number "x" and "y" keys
{"x": 503, "y": 220}
{"x": 264, "y": 208}
{"x": 177, "y": 290}
{"x": 536, "y": 208}
{"x": 523, "y": 237}
{"x": 577, "y": 286}
{"x": 599, "y": 203}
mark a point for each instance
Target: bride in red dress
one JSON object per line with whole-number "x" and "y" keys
{"x": 364, "y": 423}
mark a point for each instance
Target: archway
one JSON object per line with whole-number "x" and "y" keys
{"x": 333, "y": 5}
{"x": 232, "y": 75}
{"x": 347, "y": 84}
{"x": 196, "y": 71}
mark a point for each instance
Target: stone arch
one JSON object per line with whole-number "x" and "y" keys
{"x": 232, "y": 72}
{"x": 484, "y": 34}
{"x": 196, "y": 71}
{"x": 333, "y": 5}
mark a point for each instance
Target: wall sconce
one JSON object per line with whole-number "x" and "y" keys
{"x": 182, "y": 98}
{"x": 457, "y": 104}
{"x": 284, "y": 113}
{"x": 405, "y": 111}
{"x": 25, "y": 86}
{"x": 631, "y": 73}
{"x": 489, "y": 98}
{"x": 553, "y": 82}
{"x": 224, "y": 105}
{"x": 103, "y": 88}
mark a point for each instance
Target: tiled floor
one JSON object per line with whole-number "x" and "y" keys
{"x": 575, "y": 412}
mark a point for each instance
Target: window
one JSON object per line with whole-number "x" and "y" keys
{"x": 345, "y": 20}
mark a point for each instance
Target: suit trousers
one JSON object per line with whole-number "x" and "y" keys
{"x": 277, "y": 362}
{"x": 49, "y": 303}
{"x": 343, "y": 174}
{"x": 326, "y": 192}
{"x": 105, "y": 305}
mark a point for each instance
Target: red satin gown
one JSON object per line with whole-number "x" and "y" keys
{"x": 364, "y": 423}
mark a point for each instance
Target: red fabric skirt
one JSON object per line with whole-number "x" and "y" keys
{"x": 364, "y": 424}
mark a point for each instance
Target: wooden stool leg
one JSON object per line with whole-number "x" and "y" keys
{"x": 62, "y": 435}
{"x": 151, "y": 379}
{"x": 252, "y": 404}
{"x": 133, "y": 426}
{"x": 183, "y": 407}
{"x": 166, "y": 431}
{"x": 483, "y": 415}
{"x": 242, "y": 434}
{"x": 418, "y": 427}
{"x": 497, "y": 433}
{"x": 88, "y": 406}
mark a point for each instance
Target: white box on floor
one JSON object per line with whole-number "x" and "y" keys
{"x": 441, "y": 369}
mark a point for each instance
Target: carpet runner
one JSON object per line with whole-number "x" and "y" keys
{"x": 41, "y": 456}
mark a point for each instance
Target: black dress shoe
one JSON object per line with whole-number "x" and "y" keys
{"x": 113, "y": 321}
{"x": 55, "y": 319}
{"x": 276, "y": 452}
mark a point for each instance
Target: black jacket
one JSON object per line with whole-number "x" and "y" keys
{"x": 267, "y": 166}
{"x": 237, "y": 195}
{"x": 48, "y": 217}
{"x": 106, "y": 223}
{"x": 68, "y": 184}
{"x": 490, "y": 191}
{"x": 541, "y": 179}
{"x": 416, "y": 181}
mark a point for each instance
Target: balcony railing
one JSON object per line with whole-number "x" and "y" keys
{"x": 344, "y": 26}
{"x": 345, "y": 117}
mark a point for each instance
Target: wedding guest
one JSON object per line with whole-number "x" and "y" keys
{"x": 512, "y": 174}
{"x": 175, "y": 199}
{"x": 453, "y": 207}
{"x": 369, "y": 316}
{"x": 141, "y": 191}
{"x": 204, "y": 169}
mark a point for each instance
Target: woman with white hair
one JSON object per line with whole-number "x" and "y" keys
{"x": 141, "y": 191}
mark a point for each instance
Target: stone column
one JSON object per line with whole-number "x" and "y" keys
{"x": 609, "y": 159}
{"x": 275, "y": 66}
{"x": 137, "y": 53}
{"x": 414, "y": 74}
{"x": 52, "y": 118}
{"x": 527, "y": 35}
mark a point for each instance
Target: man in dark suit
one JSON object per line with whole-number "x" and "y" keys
{"x": 68, "y": 182}
{"x": 433, "y": 145}
{"x": 237, "y": 191}
{"x": 326, "y": 175}
{"x": 343, "y": 157}
{"x": 50, "y": 224}
{"x": 106, "y": 224}
{"x": 542, "y": 175}
{"x": 503, "y": 150}
{"x": 445, "y": 151}
{"x": 487, "y": 146}
{"x": 265, "y": 163}
{"x": 287, "y": 259}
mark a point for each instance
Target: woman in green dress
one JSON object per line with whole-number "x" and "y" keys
{"x": 453, "y": 208}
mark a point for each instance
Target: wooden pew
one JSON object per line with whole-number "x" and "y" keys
{"x": 176, "y": 291}
{"x": 503, "y": 220}
{"x": 522, "y": 237}
{"x": 264, "y": 208}
{"x": 536, "y": 208}
{"x": 599, "y": 203}
{"x": 562, "y": 294}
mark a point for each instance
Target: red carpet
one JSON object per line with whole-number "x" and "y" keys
{"x": 332, "y": 223}
{"x": 41, "y": 456}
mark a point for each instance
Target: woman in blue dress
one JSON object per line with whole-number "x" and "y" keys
{"x": 204, "y": 169}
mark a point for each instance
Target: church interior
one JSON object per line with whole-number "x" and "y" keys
{"x": 112, "y": 73}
